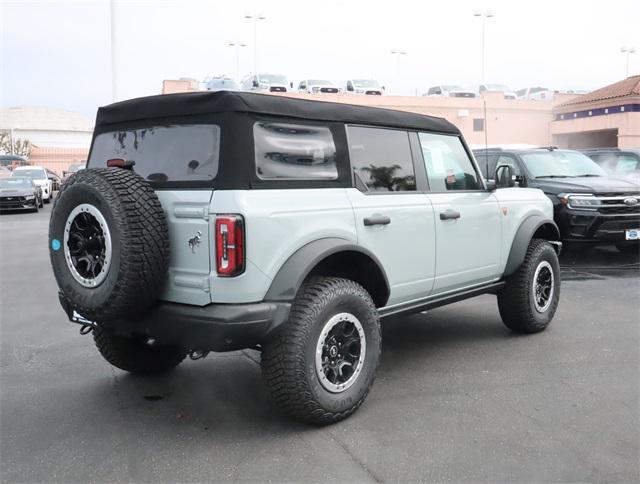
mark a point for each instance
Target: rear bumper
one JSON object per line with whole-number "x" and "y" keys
{"x": 216, "y": 327}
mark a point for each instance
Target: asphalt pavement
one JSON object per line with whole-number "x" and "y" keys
{"x": 458, "y": 398}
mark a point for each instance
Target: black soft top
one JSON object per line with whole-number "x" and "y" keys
{"x": 199, "y": 103}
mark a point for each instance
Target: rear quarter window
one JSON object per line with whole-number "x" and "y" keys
{"x": 163, "y": 153}
{"x": 287, "y": 151}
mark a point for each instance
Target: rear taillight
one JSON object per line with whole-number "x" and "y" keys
{"x": 229, "y": 245}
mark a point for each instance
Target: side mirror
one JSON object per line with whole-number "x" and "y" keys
{"x": 349, "y": 87}
{"x": 504, "y": 177}
{"x": 255, "y": 83}
{"x": 291, "y": 85}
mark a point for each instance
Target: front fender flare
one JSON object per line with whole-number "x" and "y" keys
{"x": 293, "y": 272}
{"x": 523, "y": 236}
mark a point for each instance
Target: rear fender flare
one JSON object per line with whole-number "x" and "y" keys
{"x": 294, "y": 271}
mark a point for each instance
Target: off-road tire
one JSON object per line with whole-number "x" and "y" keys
{"x": 288, "y": 357}
{"x": 139, "y": 241}
{"x": 516, "y": 298}
{"x": 134, "y": 355}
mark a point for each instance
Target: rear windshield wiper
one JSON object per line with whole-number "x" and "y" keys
{"x": 588, "y": 174}
{"x": 553, "y": 176}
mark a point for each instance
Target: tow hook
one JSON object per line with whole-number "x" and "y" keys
{"x": 197, "y": 354}
{"x": 86, "y": 329}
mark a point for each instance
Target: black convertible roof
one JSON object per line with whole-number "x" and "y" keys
{"x": 194, "y": 103}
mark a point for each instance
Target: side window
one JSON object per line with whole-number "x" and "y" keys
{"x": 381, "y": 159}
{"x": 447, "y": 163}
{"x": 303, "y": 85}
{"x": 508, "y": 160}
{"x": 286, "y": 151}
{"x": 484, "y": 162}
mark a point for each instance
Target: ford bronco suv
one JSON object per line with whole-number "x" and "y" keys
{"x": 223, "y": 221}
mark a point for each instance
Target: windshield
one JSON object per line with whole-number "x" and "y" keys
{"x": 15, "y": 183}
{"x": 365, "y": 83}
{"x": 272, "y": 79}
{"x": 561, "y": 164}
{"x": 318, "y": 82}
{"x": 34, "y": 174}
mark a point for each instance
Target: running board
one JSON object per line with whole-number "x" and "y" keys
{"x": 432, "y": 302}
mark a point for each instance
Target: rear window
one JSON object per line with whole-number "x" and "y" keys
{"x": 163, "y": 153}
{"x": 286, "y": 151}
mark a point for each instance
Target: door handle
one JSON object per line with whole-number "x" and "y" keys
{"x": 376, "y": 220}
{"x": 449, "y": 215}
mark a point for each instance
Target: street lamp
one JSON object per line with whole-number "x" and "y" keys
{"x": 238, "y": 45}
{"x": 398, "y": 53}
{"x": 255, "y": 17}
{"x": 484, "y": 15}
{"x": 628, "y": 51}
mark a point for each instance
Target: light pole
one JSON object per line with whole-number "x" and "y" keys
{"x": 398, "y": 53}
{"x": 238, "y": 45}
{"x": 484, "y": 15}
{"x": 255, "y": 17}
{"x": 114, "y": 56}
{"x": 628, "y": 51}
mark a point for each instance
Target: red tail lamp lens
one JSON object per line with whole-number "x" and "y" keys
{"x": 229, "y": 245}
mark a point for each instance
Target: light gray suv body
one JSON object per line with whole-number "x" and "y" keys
{"x": 221, "y": 221}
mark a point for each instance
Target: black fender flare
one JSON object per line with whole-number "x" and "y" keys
{"x": 523, "y": 236}
{"x": 293, "y": 272}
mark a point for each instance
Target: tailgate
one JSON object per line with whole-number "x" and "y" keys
{"x": 187, "y": 213}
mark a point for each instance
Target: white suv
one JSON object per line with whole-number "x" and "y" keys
{"x": 223, "y": 221}
{"x": 39, "y": 176}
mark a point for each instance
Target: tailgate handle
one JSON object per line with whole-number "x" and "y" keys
{"x": 192, "y": 212}
{"x": 377, "y": 220}
{"x": 449, "y": 215}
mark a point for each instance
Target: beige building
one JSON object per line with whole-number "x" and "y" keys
{"x": 58, "y": 137}
{"x": 606, "y": 117}
{"x": 609, "y": 116}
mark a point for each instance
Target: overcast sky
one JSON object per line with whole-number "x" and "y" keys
{"x": 58, "y": 53}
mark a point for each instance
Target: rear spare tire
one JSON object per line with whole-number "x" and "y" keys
{"x": 108, "y": 243}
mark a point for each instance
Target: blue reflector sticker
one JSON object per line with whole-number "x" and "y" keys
{"x": 55, "y": 244}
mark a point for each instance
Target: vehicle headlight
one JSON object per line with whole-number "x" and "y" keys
{"x": 582, "y": 201}
{"x": 30, "y": 197}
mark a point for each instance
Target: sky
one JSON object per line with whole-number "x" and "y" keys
{"x": 58, "y": 53}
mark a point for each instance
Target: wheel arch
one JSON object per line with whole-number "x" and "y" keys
{"x": 330, "y": 257}
{"x": 534, "y": 226}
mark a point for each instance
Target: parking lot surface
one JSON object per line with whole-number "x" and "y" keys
{"x": 458, "y": 398}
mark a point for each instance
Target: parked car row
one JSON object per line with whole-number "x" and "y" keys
{"x": 280, "y": 83}
{"x": 591, "y": 203}
{"x": 28, "y": 187}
